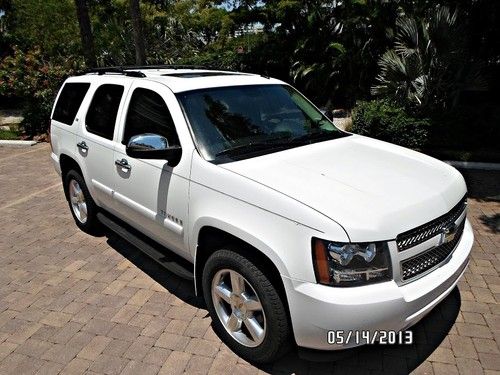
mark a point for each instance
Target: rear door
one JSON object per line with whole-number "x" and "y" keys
{"x": 63, "y": 130}
{"x": 151, "y": 194}
{"x": 95, "y": 142}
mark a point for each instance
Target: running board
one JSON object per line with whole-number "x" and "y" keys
{"x": 172, "y": 262}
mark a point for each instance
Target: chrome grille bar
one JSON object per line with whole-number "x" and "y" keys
{"x": 426, "y": 231}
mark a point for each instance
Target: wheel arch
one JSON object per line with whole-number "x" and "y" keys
{"x": 67, "y": 163}
{"x": 210, "y": 238}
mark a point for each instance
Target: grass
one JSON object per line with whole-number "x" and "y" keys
{"x": 8, "y": 134}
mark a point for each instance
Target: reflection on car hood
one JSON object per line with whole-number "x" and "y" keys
{"x": 375, "y": 190}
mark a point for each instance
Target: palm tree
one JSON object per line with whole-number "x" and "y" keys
{"x": 429, "y": 64}
{"x": 140, "y": 49}
{"x": 82, "y": 13}
{"x": 338, "y": 45}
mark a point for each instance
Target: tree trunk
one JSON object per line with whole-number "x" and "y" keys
{"x": 140, "y": 50}
{"x": 82, "y": 12}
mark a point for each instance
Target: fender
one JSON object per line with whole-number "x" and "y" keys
{"x": 237, "y": 232}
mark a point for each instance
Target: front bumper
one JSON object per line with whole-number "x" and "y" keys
{"x": 316, "y": 309}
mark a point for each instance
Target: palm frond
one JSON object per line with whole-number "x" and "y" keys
{"x": 407, "y": 37}
{"x": 428, "y": 63}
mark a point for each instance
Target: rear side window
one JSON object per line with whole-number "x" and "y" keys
{"x": 101, "y": 116}
{"x": 148, "y": 113}
{"x": 69, "y": 102}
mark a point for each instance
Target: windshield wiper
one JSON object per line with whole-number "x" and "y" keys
{"x": 250, "y": 147}
{"x": 281, "y": 142}
{"x": 314, "y": 136}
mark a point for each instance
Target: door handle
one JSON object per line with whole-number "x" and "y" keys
{"x": 82, "y": 145}
{"x": 123, "y": 163}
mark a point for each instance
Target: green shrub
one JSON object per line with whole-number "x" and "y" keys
{"x": 35, "y": 80}
{"x": 8, "y": 134}
{"x": 214, "y": 59}
{"x": 386, "y": 121}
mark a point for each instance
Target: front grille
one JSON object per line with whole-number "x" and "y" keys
{"x": 426, "y": 231}
{"x": 425, "y": 261}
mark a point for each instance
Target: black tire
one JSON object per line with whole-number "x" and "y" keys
{"x": 92, "y": 225}
{"x": 278, "y": 339}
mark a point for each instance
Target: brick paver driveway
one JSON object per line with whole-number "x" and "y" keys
{"x": 72, "y": 303}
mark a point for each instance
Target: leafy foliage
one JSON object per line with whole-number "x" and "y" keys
{"x": 8, "y": 134}
{"x": 338, "y": 45}
{"x": 215, "y": 60}
{"x": 168, "y": 34}
{"x": 389, "y": 122}
{"x": 39, "y": 23}
{"x": 431, "y": 57}
{"x": 429, "y": 65}
{"x": 30, "y": 76}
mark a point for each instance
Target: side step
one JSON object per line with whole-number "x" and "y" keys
{"x": 172, "y": 262}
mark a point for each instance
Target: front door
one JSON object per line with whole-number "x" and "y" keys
{"x": 150, "y": 193}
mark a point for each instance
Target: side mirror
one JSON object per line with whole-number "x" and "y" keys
{"x": 153, "y": 146}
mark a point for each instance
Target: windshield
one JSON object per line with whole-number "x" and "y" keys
{"x": 238, "y": 122}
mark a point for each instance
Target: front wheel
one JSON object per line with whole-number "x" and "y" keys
{"x": 246, "y": 309}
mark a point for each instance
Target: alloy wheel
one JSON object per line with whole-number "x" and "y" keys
{"x": 78, "y": 203}
{"x": 238, "y": 307}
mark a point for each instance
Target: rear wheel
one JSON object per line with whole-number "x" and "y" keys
{"x": 82, "y": 206}
{"x": 246, "y": 309}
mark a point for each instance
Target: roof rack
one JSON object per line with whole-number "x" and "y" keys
{"x": 116, "y": 70}
{"x": 132, "y": 70}
{"x": 167, "y": 66}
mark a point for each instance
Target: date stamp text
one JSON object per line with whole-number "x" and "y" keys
{"x": 342, "y": 337}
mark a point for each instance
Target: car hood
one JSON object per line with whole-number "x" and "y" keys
{"x": 374, "y": 190}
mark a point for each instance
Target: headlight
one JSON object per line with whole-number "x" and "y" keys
{"x": 350, "y": 264}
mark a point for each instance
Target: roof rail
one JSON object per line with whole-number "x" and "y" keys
{"x": 116, "y": 70}
{"x": 132, "y": 70}
{"x": 167, "y": 66}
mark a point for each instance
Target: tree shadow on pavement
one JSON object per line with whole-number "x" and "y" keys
{"x": 492, "y": 222}
{"x": 372, "y": 359}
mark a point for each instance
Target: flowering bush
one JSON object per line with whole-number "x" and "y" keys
{"x": 35, "y": 80}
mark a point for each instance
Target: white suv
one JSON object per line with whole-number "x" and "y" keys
{"x": 291, "y": 229}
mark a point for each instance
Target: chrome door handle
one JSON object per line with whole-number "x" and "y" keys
{"x": 123, "y": 163}
{"x": 82, "y": 145}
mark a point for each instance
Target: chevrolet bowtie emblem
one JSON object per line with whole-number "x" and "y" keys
{"x": 447, "y": 233}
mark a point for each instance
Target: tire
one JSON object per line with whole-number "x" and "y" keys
{"x": 276, "y": 338}
{"x": 87, "y": 222}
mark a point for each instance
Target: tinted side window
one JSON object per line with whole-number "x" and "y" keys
{"x": 148, "y": 113}
{"x": 69, "y": 102}
{"x": 101, "y": 116}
